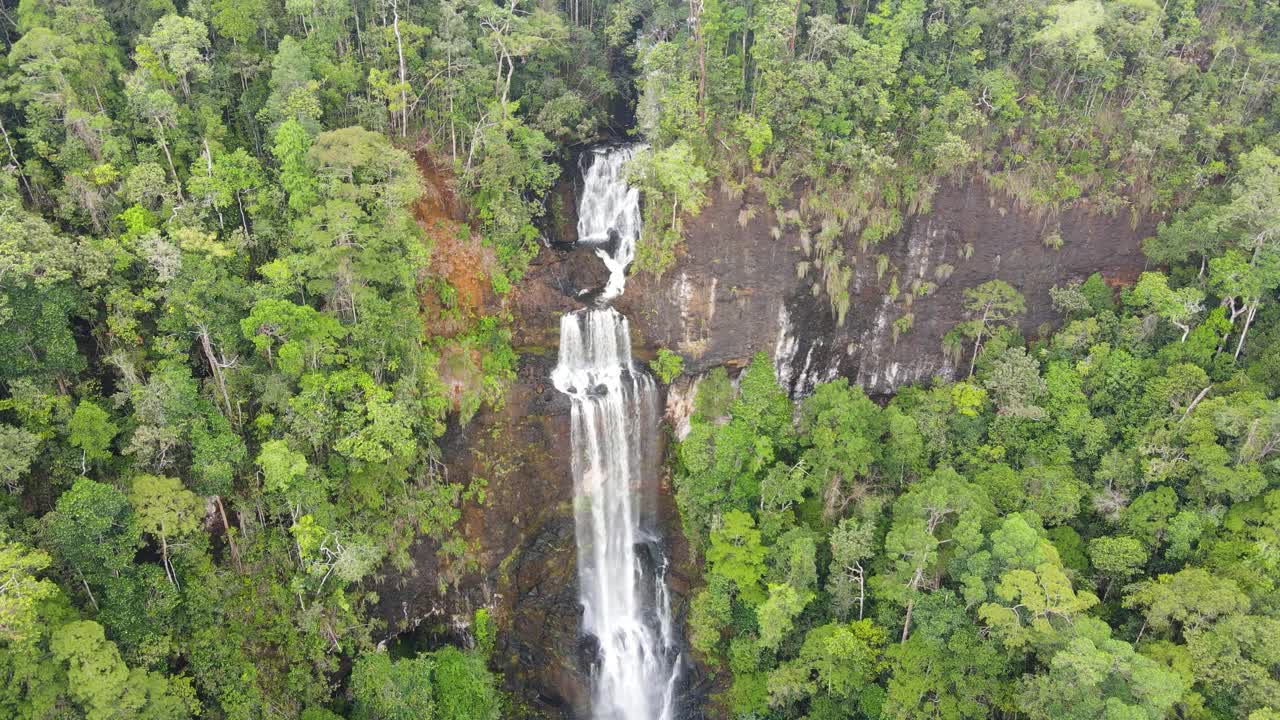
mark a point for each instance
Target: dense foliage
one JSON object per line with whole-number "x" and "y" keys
{"x": 227, "y": 345}
{"x": 1082, "y": 528}
{"x": 849, "y": 115}
{"x": 254, "y": 254}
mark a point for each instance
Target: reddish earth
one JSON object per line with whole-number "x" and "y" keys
{"x": 457, "y": 253}
{"x": 459, "y": 257}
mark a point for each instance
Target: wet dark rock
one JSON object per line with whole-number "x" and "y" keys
{"x": 555, "y": 284}
{"x": 525, "y": 556}
{"x": 559, "y": 222}
{"x": 733, "y": 285}
{"x": 543, "y": 649}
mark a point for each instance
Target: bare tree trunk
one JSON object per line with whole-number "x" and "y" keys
{"x": 244, "y": 221}
{"x": 404, "y": 100}
{"x": 973, "y": 362}
{"x": 453, "y": 123}
{"x": 453, "y": 131}
{"x": 906, "y": 625}
{"x": 1195, "y": 402}
{"x": 795, "y": 30}
{"x": 164, "y": 145}
{"x": 1248, "y": 320}
{"x": 862, "y": 591}
{"x": 216, "y": 368}
{"x": 164, "y": 556}
{"x": 92, "y": 600}
{"x": 17, "y": 166}
{"x": 506, "y": 88}
{"x": 208, "y": 163}
{"x": 982, "y": 325}
{"x": 355, "y": 12}
{"x": 743, "y": 53}
{"x": 231, "y": 541}
{"x": 695, "y": 18}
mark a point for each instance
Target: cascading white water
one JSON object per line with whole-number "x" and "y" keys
{"x": 621, "y": 569}
{"x": 609, "y": 213}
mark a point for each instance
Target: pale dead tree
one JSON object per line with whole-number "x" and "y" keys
{"x": 515, "y": 35}
{"x": 695, "y": 23}
{"x": 13, "y": 160}
{"x": 499, "y": 24}
{"x": 404, "y": 82}
{"x": 218, "y": 362}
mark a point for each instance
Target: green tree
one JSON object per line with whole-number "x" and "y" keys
{"x": 1191, "y": 597}
{"x": 988, "y": 305}
{"x": 282, "y": 469}
{"x": 173, "y": 52}
{"x": 1147, "y": 517}
{"x": 667, "y": 365}
{"x": 737, "y": 555}
{"x": 839, "y": 660}
{"x": 21, "y": 590}
{"x": 294, "y": 90}
{"x": 945, "y": 509}
{"x": 1015, "y": 383}
{"x": 671, "y": 181}
{"x": 944, "y": 669}
{"x": 464, "y": 686}
{"x": 18, "y": 450}
{"x": 92, "y": 430}
{"x": 360, "y": 243}
{"x": 386, "y": 689}
{"x": 842, "y": 430}
{"x": 1236, "y": 658}
{"x": 1179, "y": 307}
{"x": 710, "y": 611}
{"x": 1251, "y": 218}
{"x": 94, "y": 530}
{"x": 230, "y": 181}
{"x": 852, "y": 545}
{"x": 507, "y": 168}
{"x": 293, "y": 338}
{"x": 726, "y": 462}
{"x": 1034, "y": 604}
{"x": 36, "y": 340}
{"x": 292, "y": 144}
{"x": 104, "y": 686}
{"x": 1117, "y": 558}
{"x": 777, "y": 614}
{"x": 166, "y": 510}
{"x": 1095, "y": 675}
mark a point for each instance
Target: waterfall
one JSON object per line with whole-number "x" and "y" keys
{"x": 621, "y": 566}
{"x": 609, "y": 213}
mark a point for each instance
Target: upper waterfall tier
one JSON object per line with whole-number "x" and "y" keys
{"x": 609, "y": 213}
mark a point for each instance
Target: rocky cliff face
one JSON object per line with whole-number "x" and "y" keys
{"x": 737, "y": 290}
{"x": 520, "y": 546}
{"x": 734, "y": 291}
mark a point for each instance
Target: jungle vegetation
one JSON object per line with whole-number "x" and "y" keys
{"x": 234, "y": 325}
